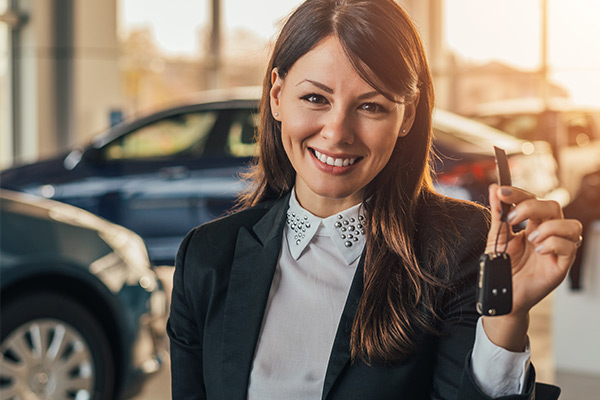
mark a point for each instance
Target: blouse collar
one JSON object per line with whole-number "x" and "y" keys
{"x": 346, "y": 230}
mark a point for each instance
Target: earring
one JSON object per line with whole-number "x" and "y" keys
{"x": 276, "y": 114}
{"x": 403, "y": 130}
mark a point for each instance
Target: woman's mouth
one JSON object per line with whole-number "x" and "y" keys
{"x": 334, "y": 162}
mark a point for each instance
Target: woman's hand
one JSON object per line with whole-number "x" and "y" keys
{"x": 541, "y": 256}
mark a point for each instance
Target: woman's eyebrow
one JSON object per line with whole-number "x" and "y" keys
{"x": 368, "y": 95}
{"x": 317, "y": 84}
{"x": 330, "y": 90}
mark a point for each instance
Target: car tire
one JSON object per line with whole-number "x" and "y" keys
{"x": 52, "y": 347}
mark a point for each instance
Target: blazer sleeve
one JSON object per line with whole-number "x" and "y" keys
{"x": 187, "y": 378}
{"x": 453, "y": 378}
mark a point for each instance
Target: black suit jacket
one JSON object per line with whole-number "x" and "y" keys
{"x": 221, "y": 284}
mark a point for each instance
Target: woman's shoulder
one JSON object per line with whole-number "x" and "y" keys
{"x": 227, "y": 227}
{"x": 459, "y": 223}
{"x": 209, "y": 249}
{"x": 452, "y": 233}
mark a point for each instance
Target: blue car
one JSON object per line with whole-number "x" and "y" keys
{"x": 162, "y": 174}
{"x": 82, "y": 314}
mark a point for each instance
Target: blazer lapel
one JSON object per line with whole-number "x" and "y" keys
{"x": 252, "y": 270}
{"x": 340, "y": 352}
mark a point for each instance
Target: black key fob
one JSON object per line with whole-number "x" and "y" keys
{"x": 494, "y": 287}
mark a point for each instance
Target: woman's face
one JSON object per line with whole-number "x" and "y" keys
{"x": 337, "y": 131}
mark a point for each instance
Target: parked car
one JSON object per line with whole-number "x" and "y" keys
{"x": 82, "y": 313}
{"x": 162, "y": 174}
{"x": 573, "y": 131}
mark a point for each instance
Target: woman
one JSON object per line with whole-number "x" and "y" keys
{"x": 345, "y": 276}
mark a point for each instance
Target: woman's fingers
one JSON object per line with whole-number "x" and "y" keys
{"x": 568, "y": 229}
{"x": 528, "y": 207}
{"x": 557, "y": 246}
{"x": 511, "y": 194}
{"x": 544, "y": 219}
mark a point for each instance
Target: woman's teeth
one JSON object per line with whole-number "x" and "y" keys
{"x": 337, "y": 162}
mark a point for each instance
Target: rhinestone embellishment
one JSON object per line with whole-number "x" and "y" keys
{"x": 298, "y": 225}
{"x": 350, "y": 229}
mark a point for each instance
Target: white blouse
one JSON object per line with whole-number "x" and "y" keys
{"x": 313, "y": 276}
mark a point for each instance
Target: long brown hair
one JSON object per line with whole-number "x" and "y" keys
{"x": 399, "y": 296}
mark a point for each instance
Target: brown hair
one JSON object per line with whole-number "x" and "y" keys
{"x": 399, "y": 295}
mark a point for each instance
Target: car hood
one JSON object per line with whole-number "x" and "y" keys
{"x": 43, "y": 208}
{"x": 122, "y": 258}
{"x": 34, "y": 174}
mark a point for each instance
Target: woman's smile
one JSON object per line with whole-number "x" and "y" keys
{"x": 334, "y": 164}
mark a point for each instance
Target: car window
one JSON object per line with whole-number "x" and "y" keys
{"x": 241, "y": 139}
{"x": 183, "y": 133}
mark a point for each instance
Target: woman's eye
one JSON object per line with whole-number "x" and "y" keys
{"x": 373, "y": 107}
{"x": 314, "y": 99}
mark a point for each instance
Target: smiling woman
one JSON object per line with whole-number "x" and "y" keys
{"x": 344, "y": 275}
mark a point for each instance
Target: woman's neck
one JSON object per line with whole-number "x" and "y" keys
{"x": 322, "y": 206}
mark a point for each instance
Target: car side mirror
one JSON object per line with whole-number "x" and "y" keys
{"x": 73, "y": 159}
{"x": 91, "y": 155}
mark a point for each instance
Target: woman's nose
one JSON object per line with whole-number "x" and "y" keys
{"x": 337, "y": 127}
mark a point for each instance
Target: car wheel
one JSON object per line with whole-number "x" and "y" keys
{"x": 53, "y": 348}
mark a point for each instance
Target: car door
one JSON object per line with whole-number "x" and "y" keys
{"x": 177, "y": 171}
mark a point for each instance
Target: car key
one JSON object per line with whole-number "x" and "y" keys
{"x": 494, "y": 286}
{"x": 503, "y": 178}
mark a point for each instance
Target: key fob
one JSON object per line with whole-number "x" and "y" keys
{"x": 494, "y": 287}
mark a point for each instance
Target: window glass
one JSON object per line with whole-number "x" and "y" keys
{"x": 241, "y": 140}
{"x": 180, "y": 135}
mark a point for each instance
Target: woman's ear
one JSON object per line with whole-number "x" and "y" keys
{"x": 410, "y": 113}
{"x": 276, "y": 83}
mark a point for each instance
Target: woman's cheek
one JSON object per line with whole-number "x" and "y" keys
{"x": 301, "y": 125}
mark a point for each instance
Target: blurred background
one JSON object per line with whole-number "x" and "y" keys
{"x": 77, "y": 76}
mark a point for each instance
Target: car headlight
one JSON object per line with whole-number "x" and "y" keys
{"x": 130, "y": 258}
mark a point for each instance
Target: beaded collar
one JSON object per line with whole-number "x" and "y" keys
{"x": 346, "y": 230}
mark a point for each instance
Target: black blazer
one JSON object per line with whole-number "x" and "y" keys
{"x": 221, "y": 284}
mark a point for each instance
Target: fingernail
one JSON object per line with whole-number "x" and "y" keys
{"x": 539, "y": 248}
{"x": 506, "y": 191}
{"x": 511, "y": 215}
{"x": 533, "y": 236}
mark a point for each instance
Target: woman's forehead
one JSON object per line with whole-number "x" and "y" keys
{"x": 328, "y": 63}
